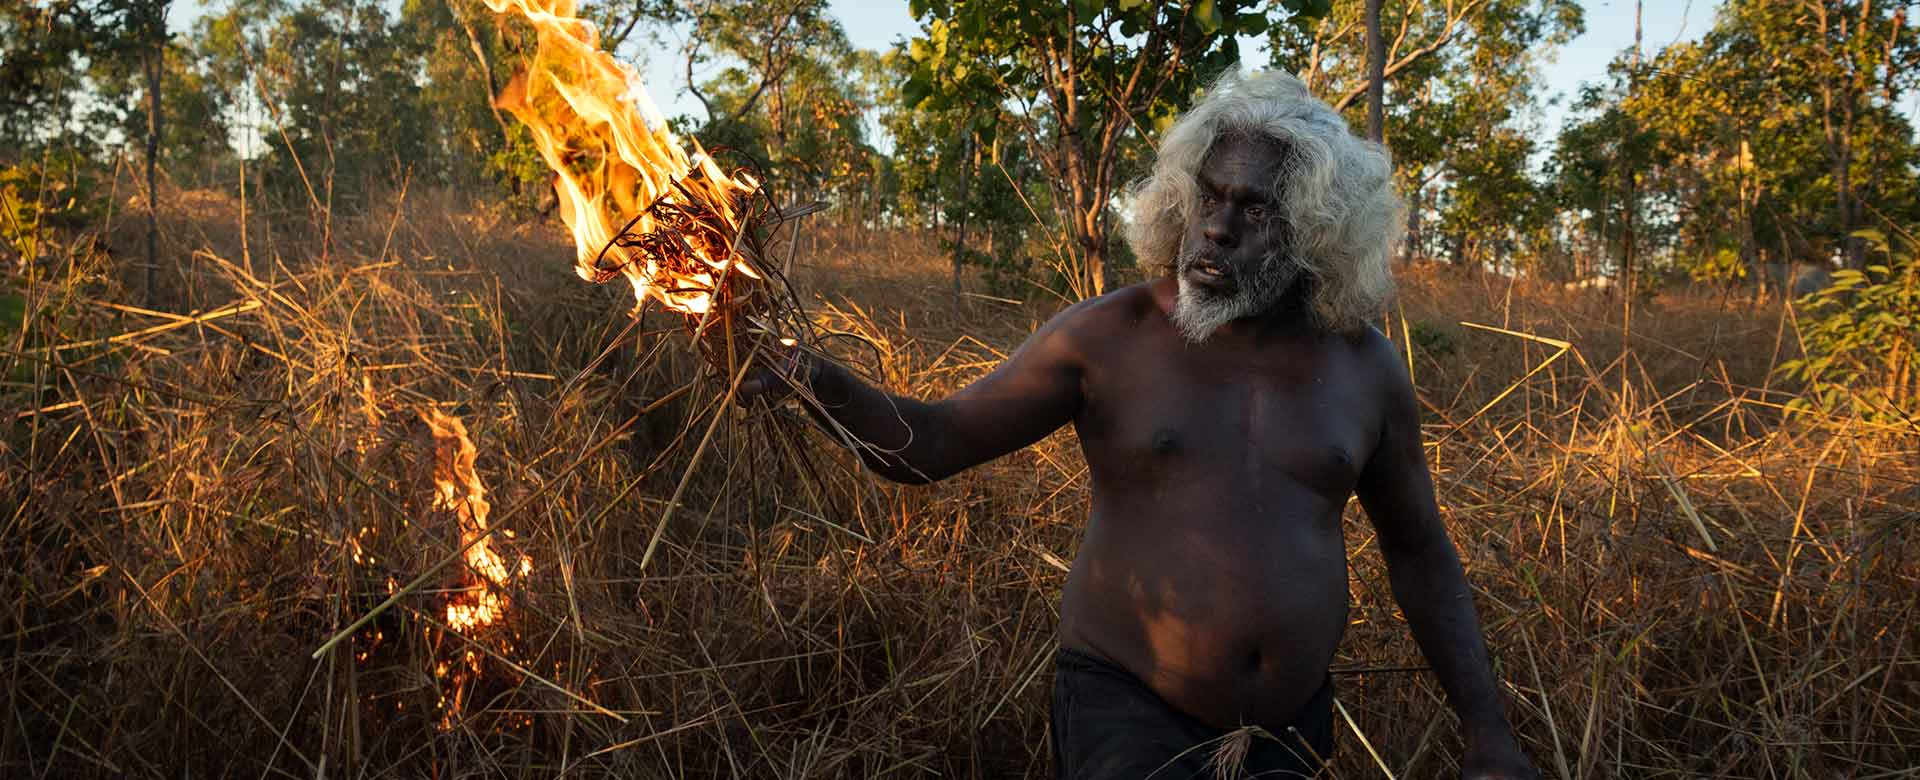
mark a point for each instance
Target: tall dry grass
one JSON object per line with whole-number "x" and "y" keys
{"x": 1675, "y": 580}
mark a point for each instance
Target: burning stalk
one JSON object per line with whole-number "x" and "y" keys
{"x": 688, "y": 232}
{"x": 683, "y": 232}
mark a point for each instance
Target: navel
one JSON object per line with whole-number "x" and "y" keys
{"x": 1165, "y": 441}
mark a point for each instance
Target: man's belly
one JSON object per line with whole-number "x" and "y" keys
{"x": 1230, "y": 616}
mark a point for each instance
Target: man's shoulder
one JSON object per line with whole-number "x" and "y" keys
{"x": 1382, "y": 364}
{"x": 1375, "y": 349}
{"x": 1110, "y": 313}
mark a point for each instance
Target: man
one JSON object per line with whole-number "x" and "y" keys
{"x": 1227, "y": 412}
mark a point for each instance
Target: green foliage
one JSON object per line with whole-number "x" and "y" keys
{"x": 43, "y": 46}
{"x": 19, "y": 212}
{"x": 1459, "y": 81}
{"x": 1009, "y": 127}
{"x": 1862, "y": 337}
{"x": 1434, "y": 340}
{"x": 792, "y": 97}
{"x": 1080, "y": 86}
{"x": 58, "y": 192}
{"x": 1724, "y": 264}
{"x": 194, "y": 108}
{"x": 13, "y": 312}
{"x": 1751, "y": 140}
{"x": 335, "y": 74}
{"x": 957, "y": 172}
{"x": 1603, "y": 177}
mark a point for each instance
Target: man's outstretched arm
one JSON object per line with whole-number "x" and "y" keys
{"x": 1028, "y": 396}
{"x": 1397, "y": 491}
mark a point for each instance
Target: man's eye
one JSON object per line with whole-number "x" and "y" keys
{"x": 1256, "y": 212}
{"x": 1208, "y": 199}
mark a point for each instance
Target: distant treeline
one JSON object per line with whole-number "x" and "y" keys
{"x": 1012, "y": 127}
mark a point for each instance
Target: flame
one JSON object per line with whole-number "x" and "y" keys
{"x": 457, "y": 489}
{"x": 613, "y": 159}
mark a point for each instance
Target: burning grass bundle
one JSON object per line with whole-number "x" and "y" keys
{"x": 683, "y": 231}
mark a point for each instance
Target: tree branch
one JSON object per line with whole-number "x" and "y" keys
{"x": 1413, "y": 57}
{"x": 486, "y": 67}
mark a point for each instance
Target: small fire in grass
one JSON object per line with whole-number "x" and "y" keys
{"x": 637, "y": 203}
{"x": 482, "y": 601}
{"x": 457, "y": 489}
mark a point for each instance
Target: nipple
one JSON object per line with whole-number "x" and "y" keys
{"x": 1164, "y": 441}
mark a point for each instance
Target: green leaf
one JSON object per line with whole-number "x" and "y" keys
{"x": 972, "y": 23}
{"x": 1207, "y": 16}
{"x": 1085, "y": 10}
{"x": 985, "y": 129}
{"x": 13, "y": 313}
{"x": 1251, "y": 23}
{"x": 915, "y": 90}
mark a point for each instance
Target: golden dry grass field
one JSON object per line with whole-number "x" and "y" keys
{"x": 1676, "y": 580}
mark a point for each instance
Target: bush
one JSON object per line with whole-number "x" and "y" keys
{"x": 1860, "y": 337}
{"x": 36, "y": 198}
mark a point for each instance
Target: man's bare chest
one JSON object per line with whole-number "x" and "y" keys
{"x": 1233, "y": 429}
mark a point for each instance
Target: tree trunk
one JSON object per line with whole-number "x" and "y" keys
{"x": 1633, "y": 198}
{"x": 966, "y": 210}
{"x": 155, "y": 62}
{"x": 1096, "y": 262}
{"x": 1412, "y": 247}
{"x": 1376, "y": 75}
{"x": 480, "y": 57}
{"x": 1843, "y": 187}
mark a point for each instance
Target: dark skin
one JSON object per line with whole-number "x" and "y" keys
{"x": 1213, "y": 566}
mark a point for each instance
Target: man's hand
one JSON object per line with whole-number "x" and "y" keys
{"x": 775, "y": 376}
{"x": 1496, "y": 759}
{"x": 1396, "y": 487}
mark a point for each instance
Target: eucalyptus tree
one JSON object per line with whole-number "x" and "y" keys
{"x": 1460, "y": 82}
{"x": 959, "y": 174}
{"x": 1085, "y": 82}
{"x": 45, "y": 48}
{"x": 790, "y": 94}
{"x": 1736, "y": 140}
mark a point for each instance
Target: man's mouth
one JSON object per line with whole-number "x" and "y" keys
{"x": 1208, "y": 273}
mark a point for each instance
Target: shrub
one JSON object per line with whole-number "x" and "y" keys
{"x": 1860, "y": 338}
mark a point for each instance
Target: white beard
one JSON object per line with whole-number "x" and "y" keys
{"x": 1197, "y": 313}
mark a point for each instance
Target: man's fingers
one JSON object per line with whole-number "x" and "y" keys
{"x": 762, "y": 383}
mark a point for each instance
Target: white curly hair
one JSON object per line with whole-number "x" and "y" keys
{"x": 1335, "y": 191}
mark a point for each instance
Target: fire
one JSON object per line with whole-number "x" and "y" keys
{"x": 615, "y": 162}
{"x": 457, "y": 489}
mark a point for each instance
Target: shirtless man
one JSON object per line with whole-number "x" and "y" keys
{"x": 1227, "y": 411}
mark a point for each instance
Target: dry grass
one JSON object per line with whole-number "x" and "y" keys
{"x": 1675, "y": 581}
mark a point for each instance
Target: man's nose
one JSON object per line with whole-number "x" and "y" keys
{"x": 1217, "y": 231}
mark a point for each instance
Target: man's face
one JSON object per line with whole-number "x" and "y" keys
{"x": 1233, "y": 258}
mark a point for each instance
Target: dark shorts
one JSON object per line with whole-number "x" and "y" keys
{"x": 1107, "y": 725}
